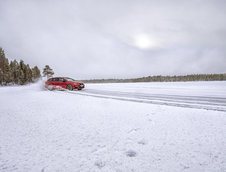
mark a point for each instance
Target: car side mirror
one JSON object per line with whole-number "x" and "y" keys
{"x": 64, "y": 80}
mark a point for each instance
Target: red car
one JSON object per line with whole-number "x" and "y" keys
{"x": 63, "y": 83}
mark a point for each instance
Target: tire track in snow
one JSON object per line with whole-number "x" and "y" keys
{"x": 198, "y": 102}
{"x": 189, "y": 99}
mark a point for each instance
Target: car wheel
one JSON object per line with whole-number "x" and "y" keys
{"x": 69, "y": 87}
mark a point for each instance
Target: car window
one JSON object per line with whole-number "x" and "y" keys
{"x": 61, "y": 79}
{"x": 55, "y": 79}
{"x": 70, "y": 79}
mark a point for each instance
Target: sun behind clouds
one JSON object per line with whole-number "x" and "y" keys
{"x": 144, "y": 41}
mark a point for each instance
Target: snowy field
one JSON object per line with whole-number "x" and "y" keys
{"x": 143, "y": 127}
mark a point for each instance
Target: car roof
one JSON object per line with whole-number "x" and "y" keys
{"x": 57, "y": 77}
{"x": 60, "y": 77}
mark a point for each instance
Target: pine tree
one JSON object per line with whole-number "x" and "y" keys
{"x": 28, "y": 72}
{"x": 7, "y": 72}
{"x": 35, "y": 73}
{"x": 4, "y": 68}
{"x": 2, "y": 57}
{"x": 47, "y": 71}
{"x": 14, "y": 66}
{"x": 22, "y": 75}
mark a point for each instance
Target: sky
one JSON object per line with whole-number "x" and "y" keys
{"x": 95, "y": 39}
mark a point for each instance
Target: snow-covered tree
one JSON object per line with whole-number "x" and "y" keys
{"x": 47, "y": 71}
{"x": 22, "y": 75}
{"x": 4, "y": 68}
{"x": 28, "y": 72}
{"x": 35, "y": 73}
{"x": 12, "y": 72}
{"x": 14, "y": 67}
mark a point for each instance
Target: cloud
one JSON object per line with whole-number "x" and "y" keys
{"x": 100, "y": 39}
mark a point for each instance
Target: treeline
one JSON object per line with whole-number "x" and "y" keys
{"x": 13, "y": 72}
{"x": 159, "y": 78}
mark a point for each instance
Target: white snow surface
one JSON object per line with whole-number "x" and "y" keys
{"x": 201, "y": 88}
{"x": 49, "y": 131}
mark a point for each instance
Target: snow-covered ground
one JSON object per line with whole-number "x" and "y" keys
{"x": 201, "y": 88}
{"x": 94, "y": 130}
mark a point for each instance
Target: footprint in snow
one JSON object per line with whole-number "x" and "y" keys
{"x": 133, "y": 130}
{"x": 149, "y": 117}
{"x": 131, "y": 153}
{"x": 99, "y": 164}
{"x": 186, "y": 167}
{"x": 142, "y": 142}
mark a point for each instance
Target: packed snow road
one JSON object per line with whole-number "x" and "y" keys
{"x": 180, "y": 94}
{"x": 50, "y": 131}
{"x": 208, "y": 103}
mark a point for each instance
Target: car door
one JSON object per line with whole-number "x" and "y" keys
{"x": 56, "y": 81}
{"x": 62, "y": 83}
{"x": 49, "y": 82}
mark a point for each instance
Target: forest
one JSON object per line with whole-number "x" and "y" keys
{"x": 19, "y": 73}
{"x": 160, "y": 78}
